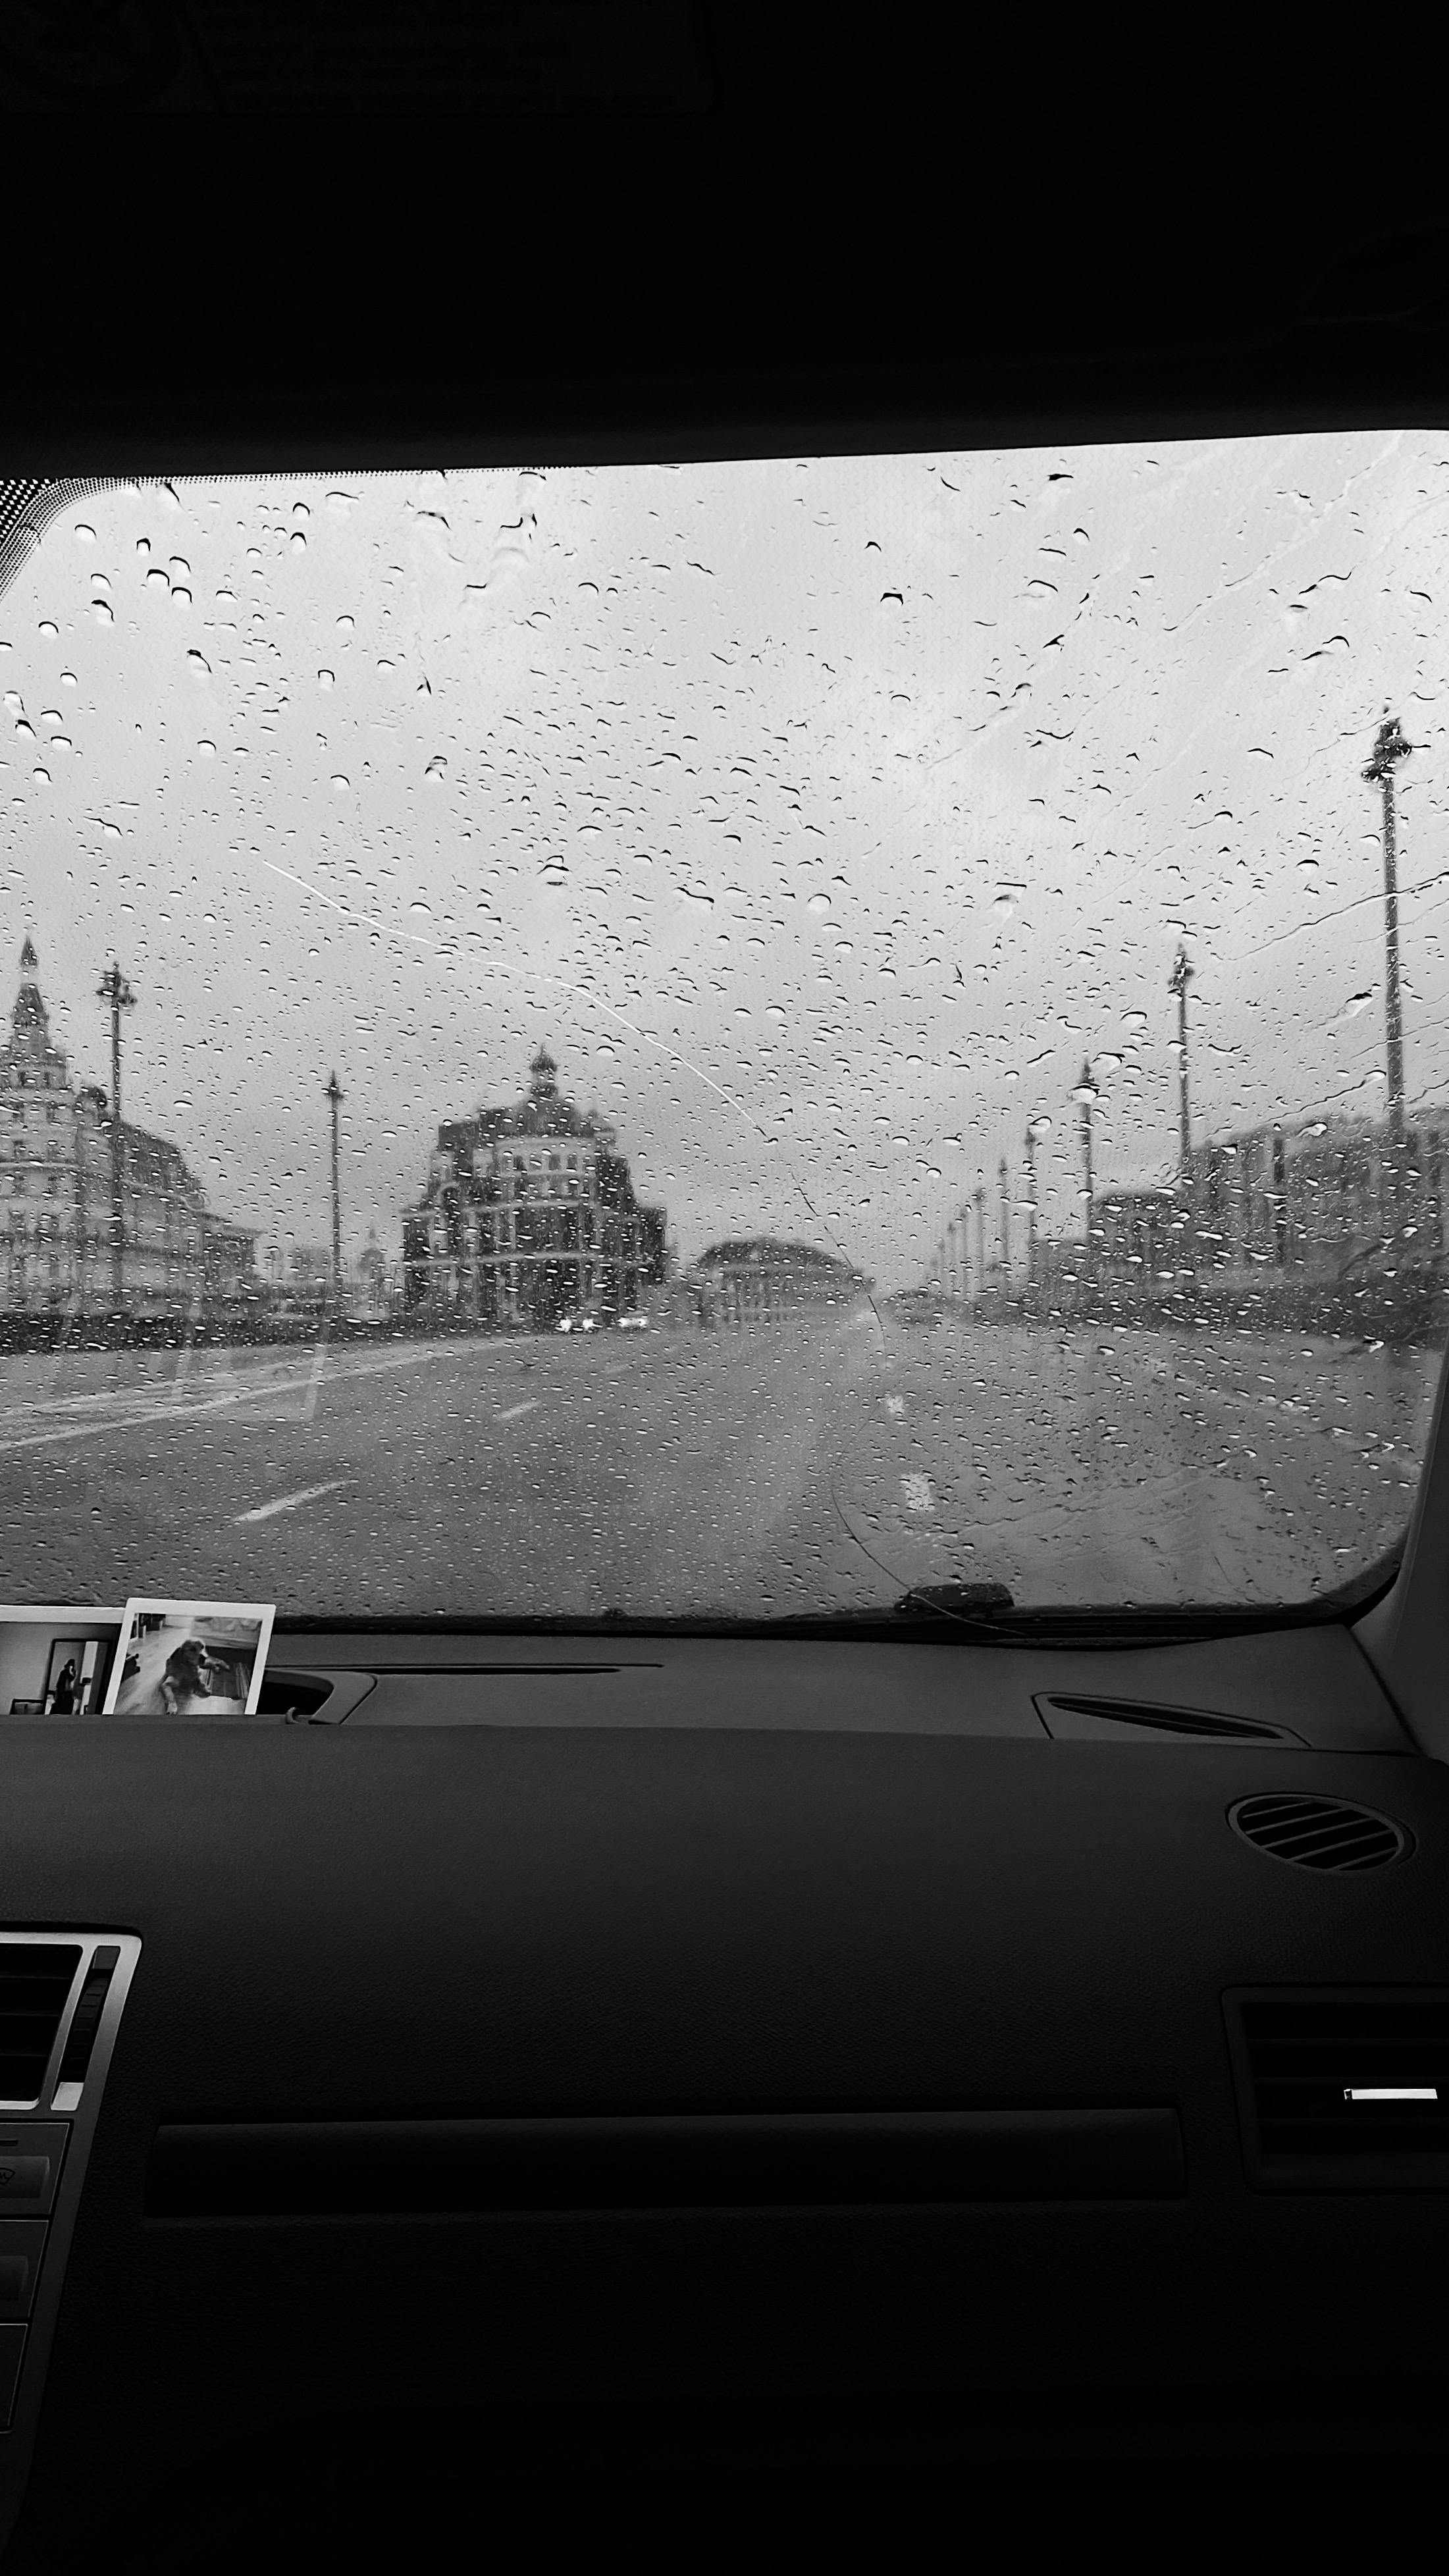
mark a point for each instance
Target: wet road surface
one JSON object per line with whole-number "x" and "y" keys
{"x": 811, "y": 1465}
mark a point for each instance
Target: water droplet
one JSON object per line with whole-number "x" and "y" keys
{"x": 102, "y": 613}
{"x": 340, "y": 783}
{"x": 437, "y": 766}
{"x": 325, "y": 679}
{"x": 156, "y": 579}
{"x": 299, "y": 542}
{"x": 820, "y": 903}
{"x": 208, "y": 752}
{"x": 48, "y": 626}
{"x": 84, "y": 536}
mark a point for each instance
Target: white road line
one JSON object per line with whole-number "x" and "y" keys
{"x": 512, "y": 1411}
{"x": 249, "y": 1392}
{"x": 290, "y": 1502}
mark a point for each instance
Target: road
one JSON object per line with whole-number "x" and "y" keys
{"x": 811, "y": 1465}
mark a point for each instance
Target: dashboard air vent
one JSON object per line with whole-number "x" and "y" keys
{"x": 1319, "y": 1833}
{"x": 35, "y": 1982}
{"x": 1345, "y": 2091}
{"x": 1077, "y": 1713}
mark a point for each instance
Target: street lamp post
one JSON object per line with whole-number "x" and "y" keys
{"x": 334, "y": 1096}
{"x": 1030, "y": 1210}
{"x": 113, "y": 988}
{"x": 1003, "y": 1183}
{"x": 1085, "y": 1095}
{"x": 979, "y": 1196}
{"x": 1389, "y": 749}
{"x": 1178, "y": 982}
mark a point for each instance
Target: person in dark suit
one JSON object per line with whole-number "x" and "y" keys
{"x": 65, "y": 1689}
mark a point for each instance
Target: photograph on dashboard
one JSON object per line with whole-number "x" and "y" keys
{"x": 190, "y": 1659}
{"x": 56, "y": 1662}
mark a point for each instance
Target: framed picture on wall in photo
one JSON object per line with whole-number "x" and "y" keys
{"x": 55, "y": 1662}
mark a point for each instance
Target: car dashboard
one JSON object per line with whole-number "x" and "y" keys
{"x": 913, "y": 2045}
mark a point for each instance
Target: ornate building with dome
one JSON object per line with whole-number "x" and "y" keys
{"x": 57, "y": 1230}
{"x": 529, "y": 1216}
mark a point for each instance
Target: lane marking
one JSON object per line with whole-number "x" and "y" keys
{"x": 918, "y": 1493}
{"x": 195, "y": 1405}
{"x": 291, "y": 1502}
{"x": 512, "y": 1411}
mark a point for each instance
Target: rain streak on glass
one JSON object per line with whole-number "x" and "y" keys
{"x": 727, "y": 1040}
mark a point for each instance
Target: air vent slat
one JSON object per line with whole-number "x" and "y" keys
{"x": 1300, "y": 2060}
{"x": 1319, "y": 1833}
{"x": 35, "y": 1983}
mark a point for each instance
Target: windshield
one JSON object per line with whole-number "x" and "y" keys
{"x": 725, "y": 1040}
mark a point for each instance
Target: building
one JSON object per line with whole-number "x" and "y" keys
{"x": 369, "y": 1295}
{"x": 758, "y": 1281}
{"x": 1328, "y": 1198}
{"x": 56, "y": 1181}
{"x": 1323, "y": 1201}
{"x": 528, "y": 1214}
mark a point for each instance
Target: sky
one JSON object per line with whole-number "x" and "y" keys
{"x": 821, "y": 815}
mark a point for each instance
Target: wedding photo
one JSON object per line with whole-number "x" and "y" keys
{"x": 190, "y": 1659}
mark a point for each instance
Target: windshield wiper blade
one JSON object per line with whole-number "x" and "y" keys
{"x": 954, "y": 1600}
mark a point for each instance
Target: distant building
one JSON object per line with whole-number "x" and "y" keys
{"x": 758, "y": 1280}
{"x": 1326, "y": 1200}
{"x": 528, "y": 1214}
{"x": 1326, "y": 1197}
{"x": 56, "y": 1238}
{"x": 369, "y": 1292}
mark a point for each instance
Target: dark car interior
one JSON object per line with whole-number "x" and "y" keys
{"x": 609, "y": 2088}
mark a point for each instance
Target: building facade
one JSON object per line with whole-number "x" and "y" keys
{"x": 1326, "y": 1201}
{"x": 758, "y": 1281}
{"x": 528, "y": 1214}
{"x": 57, "y": 1179}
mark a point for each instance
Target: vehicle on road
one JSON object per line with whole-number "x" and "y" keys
{"x": 922, "y": 1308}
{"x": 633, "y": 1323}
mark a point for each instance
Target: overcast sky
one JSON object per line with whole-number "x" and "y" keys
{"x": 820, "y": 815}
